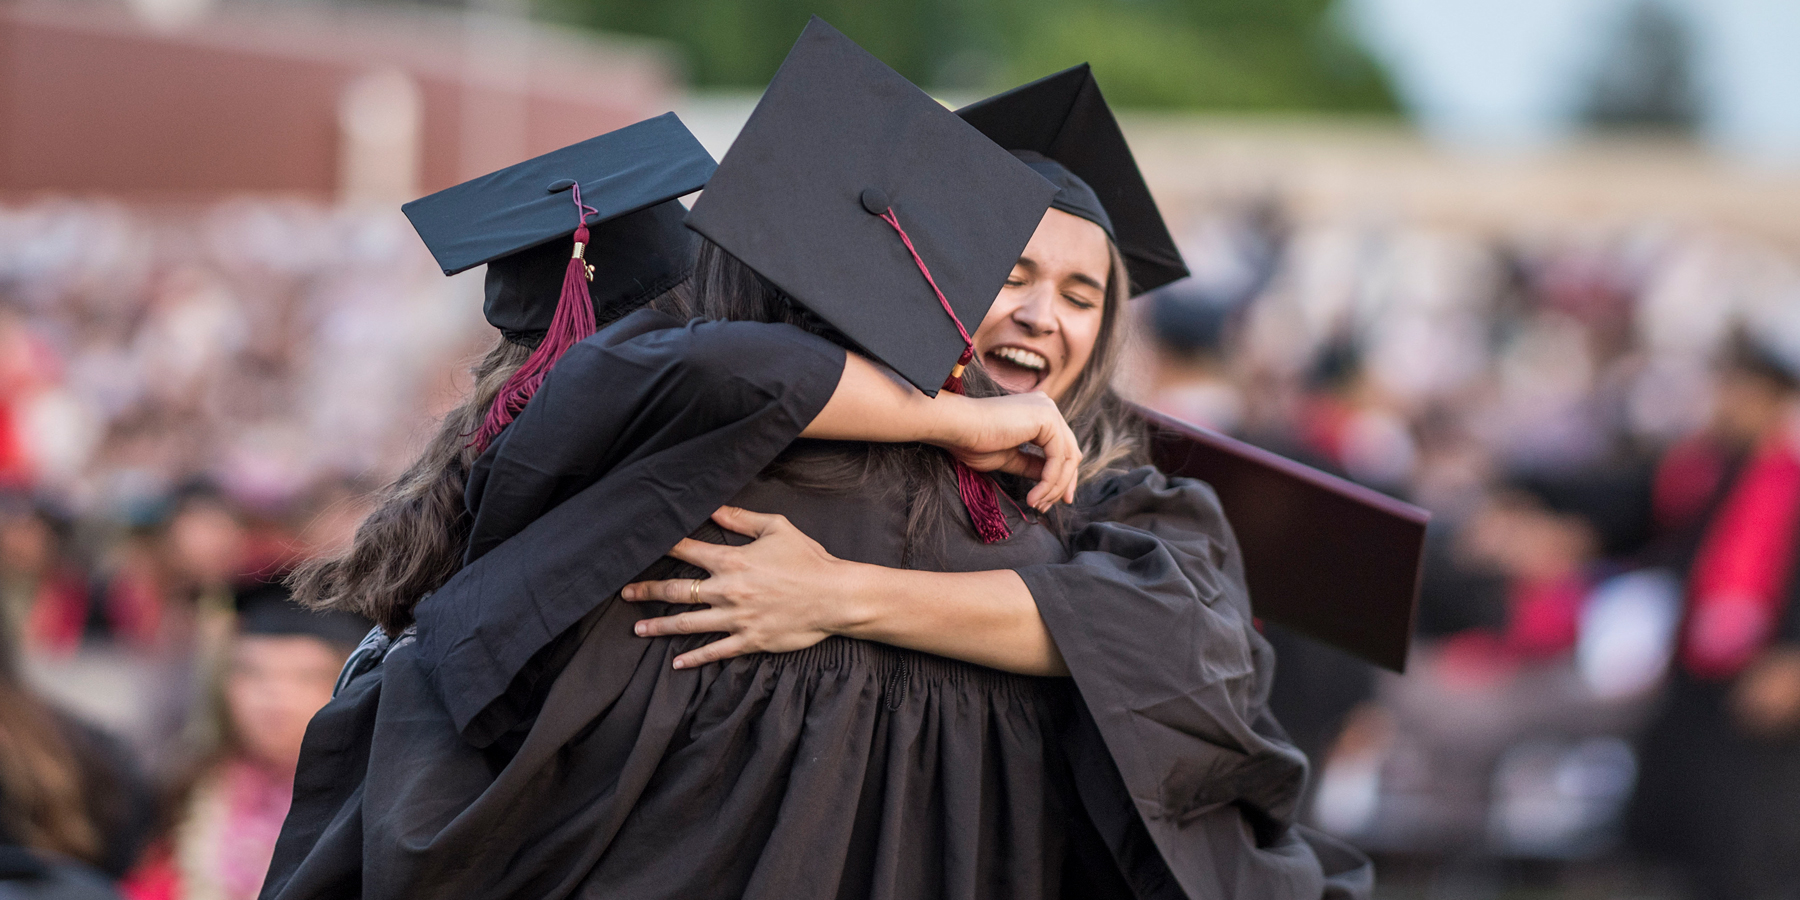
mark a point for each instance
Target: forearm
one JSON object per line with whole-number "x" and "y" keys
{"x": 987, "y": 618}
{"x": 873, "y": 404}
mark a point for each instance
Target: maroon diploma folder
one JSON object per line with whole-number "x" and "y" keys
{"x": 1330, "y": 559}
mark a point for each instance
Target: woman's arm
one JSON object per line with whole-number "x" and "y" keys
{"x": 872, "y": 404}
{"x": 784, "y": 592}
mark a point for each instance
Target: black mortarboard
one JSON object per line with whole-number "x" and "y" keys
{"x": 267, "y": 608}
{"x": 524, "y": 205}
{"x": 839, "y": 139}
{"x": 1330, "y": 559}
{"x": 635, "y": 257}
{"x": 1065, "y": 131}
{"x": 549, "y": 294}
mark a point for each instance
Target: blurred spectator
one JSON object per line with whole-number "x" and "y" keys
{"x": 44, "y": 592}
{"x": 73, "y": 807}
{"x": 1722, "y": 761}
{"x": 282, "y": 663}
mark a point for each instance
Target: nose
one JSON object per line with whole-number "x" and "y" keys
{"x": 1037, "y": 315}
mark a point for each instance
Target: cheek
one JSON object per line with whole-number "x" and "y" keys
{"x": 1081, "y": 332}
{"x": 996, "y": 314}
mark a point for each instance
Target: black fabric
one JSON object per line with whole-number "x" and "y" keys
{"x": 849, "y": 769}
{"x": 612, "y": 773}
{"x": 529, "y": 203}
{"x": 1073, "y": 195}
{"x": 838, "y": 138}
{"x": 635, "y": 257}
{"x": 1064, "y": 118}
{"x": 1153, "y": 619}
{"x": 678, "y": 417}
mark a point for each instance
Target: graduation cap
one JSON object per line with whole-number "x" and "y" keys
{"x": 530, "y": 203}
{"x": 541, "y": 291}
{"x": 1063, "y": 129}
{"x": 1328, "y": 558}
{"x": 873, "y": 206}
{"x": 268, "y": 608}
{"x": 635, "y": 257}
{"x": 876, "y": 208}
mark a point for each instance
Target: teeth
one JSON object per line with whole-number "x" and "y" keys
{"x": 1024, "y": 359}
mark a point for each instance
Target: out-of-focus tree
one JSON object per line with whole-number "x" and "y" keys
{"x": 1217, "y": 54}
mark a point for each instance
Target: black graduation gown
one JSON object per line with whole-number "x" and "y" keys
{"x": 1185, "y": 781}
{"x": 1187, "y": 777}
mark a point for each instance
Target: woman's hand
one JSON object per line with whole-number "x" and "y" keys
{"x": 1024, "y": 434}
{"x": 771, "y": 595}
{"x": 784, "y": 592}
{"x": 1021, "y": 433}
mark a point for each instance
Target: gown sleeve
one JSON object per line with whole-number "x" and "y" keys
{"x": 1152, "y": 616}
{"x": 638, "y": 434}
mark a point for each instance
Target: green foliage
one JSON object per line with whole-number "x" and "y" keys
{"x": 1213, "y": 54}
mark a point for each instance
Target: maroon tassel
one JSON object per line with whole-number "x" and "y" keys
{"x": 979, "y": 495}
{"x": 572, "y": 323}
{"x": 954, "y": 384}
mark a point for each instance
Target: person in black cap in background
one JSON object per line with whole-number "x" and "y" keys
{"x": 512, "y": 739}
{"x": 1720, "y": 766}
{"x": 280, "y": 663}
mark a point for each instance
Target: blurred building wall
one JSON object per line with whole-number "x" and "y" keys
{"x": 273, "y": 100}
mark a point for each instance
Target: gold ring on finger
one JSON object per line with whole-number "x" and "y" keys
{"x": 694, "y": 592}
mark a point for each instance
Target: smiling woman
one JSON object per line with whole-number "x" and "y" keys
{"x": 1049, "y": 319}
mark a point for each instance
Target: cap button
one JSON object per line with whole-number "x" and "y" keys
{"x": 560, "y": 185}
{"x": 874, "y": 201}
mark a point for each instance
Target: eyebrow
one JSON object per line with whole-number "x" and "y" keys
{"x": 1026, "y": 262}
{"x": 1080, "y": 278}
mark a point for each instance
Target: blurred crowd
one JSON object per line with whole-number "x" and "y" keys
{"x": 193, "y": 400}
{"x": 1605, "y": 424}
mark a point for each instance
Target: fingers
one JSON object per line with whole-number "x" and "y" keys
{"x": 1067, "y": 469}
{"x": 711, "y": 557}
{"x": 697, "y": 621}
{"x": 723, "y": 648}
{"x": 1062, "y": 458}
{"x": 675, "y": 590}
{"x": 1061, "y": 468}
{"x": 1023, "y": 464}
{"x": 745, "y": 522}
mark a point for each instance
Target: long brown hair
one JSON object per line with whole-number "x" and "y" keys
{"x": 415, "y": 538}
{"x": 43, "y": 802}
